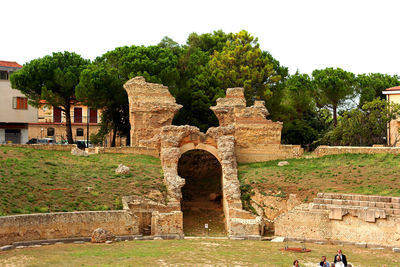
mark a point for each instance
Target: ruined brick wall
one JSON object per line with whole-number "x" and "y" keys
{"x": 257, "y": 139}
{"x": 335, "y": 150}
{"x": 151, "y": 106}
{"x": 64, "y": 225}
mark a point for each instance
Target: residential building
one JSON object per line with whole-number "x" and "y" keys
{"x": 15, "y": 112}
{"x": 51, "y": 122}
{"x": 393, "y": 95}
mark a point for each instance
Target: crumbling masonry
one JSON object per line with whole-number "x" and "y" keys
{"x": 244, "y": 134}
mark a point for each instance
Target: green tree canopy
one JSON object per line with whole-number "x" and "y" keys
{"x": 300, "y": 95}
{"x": 334, "y": 87}
{"x": 365, "y": 126}
{"x": 102, "y": 82}
{"x": 241, "y": 64}
{"x": 101, "y": 87}
{"x": 52, "y": 78}
{"x": 196, "y": 90}
{"x": 370, "y": 86}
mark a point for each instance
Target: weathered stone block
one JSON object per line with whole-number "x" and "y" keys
{"x": 388, "y": 205}
{"x": 7, "y": 247}
{"x": 122, "y": 169}
{"x": 78, "y": 152}
{"x": 319, "y": 200}
{"x": 389, "y": 211}
{"x": 361, "y": 245}
{"x": 337, "y": 213}
{"x": 337, "y": 202}
{"x": 167, "y": 223}
{"x": 380, "y": 204}
{"x": 100, "y": 235}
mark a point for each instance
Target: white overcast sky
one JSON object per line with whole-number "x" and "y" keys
{"x": 358, "y": 36}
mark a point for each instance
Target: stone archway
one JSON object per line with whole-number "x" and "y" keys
{"x": 201, "y": 201}
{"x": 220, "y": 142}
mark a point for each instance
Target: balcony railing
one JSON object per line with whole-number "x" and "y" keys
{"x": 62, "y": 119}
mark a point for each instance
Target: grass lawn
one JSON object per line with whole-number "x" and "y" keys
{"x": 347, "y": 173}
{"x": 207, "y": 252}
{"x": 34, "y": 181}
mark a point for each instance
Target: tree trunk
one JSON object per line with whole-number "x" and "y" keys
{"x": 334, "y": 108}
{"x": 68, "y": 122}
{"x": 114, "y": 135}
{"x": 128, "y": 139}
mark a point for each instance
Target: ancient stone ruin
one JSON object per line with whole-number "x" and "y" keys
{"x": 244, "y": 135}
{"x": 200, "y": 175}
{"x": 357, "y": 219}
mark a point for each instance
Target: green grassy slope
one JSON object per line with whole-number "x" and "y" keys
{"x": 377, "y": 174}
{"x": 46, "y": 181}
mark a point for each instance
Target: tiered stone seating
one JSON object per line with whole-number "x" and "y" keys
{"x": 368, "y": 208}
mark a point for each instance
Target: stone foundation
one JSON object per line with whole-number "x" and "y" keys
{"x": 373, "y": 220}
{"x": 127, "y": 150}
{"x": 43, "y": 147}
{"x": 335, "y": 150}
{"x": 65, "y": 225}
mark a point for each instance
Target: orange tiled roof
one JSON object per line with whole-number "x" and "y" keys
{"x": 393, "y": 88}
{"x": 12, "y": 64}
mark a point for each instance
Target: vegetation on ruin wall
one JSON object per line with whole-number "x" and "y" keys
{"x": 376, "y": 174}
{"x": 191, "y": 253}
{"x": 33, "y": 181}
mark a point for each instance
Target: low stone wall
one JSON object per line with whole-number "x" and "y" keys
{"x": 334, "y": 150}
{"x": 316, "y": 225}
{"x": 130, "y": 150}
{"x": 65, "y": 225}
{"x": 272, "y": 152}
{"x": 349, "y": 218}
{"x": 43, "y": 146}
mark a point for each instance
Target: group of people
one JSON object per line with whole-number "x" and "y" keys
{"x": 339, "y": 260}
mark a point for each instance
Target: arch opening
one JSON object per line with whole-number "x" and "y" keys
{"x": 202, "y": 193}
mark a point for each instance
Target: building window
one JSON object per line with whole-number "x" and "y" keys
{"x": 3, "y": 75}
{"x": 79, "y": 132}
{"x": 50, "y": 131}
{"x": 78, "y": 115}
{"x": 20, "y": 102}
{"x": 56, "y": 114}
{"x": 93, "y": 115}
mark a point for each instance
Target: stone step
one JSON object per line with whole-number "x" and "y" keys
{"x": 388, "y": 211}
{"x": 361, "y": 203}
{"x": 359, "y": 197}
